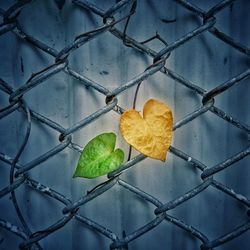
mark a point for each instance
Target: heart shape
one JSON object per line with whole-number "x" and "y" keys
{"x": 99, "y": 157}
{"x": 151, "y": 134}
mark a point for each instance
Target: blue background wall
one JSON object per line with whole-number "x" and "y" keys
{"x": 205, "y": 61}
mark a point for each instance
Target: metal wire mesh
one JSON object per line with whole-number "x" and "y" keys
{"x": 19, "y": 174}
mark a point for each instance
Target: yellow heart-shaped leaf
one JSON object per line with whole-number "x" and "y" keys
{"x": 151, "y": 134}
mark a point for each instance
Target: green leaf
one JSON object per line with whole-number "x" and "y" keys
{"x": 99, "y": 157}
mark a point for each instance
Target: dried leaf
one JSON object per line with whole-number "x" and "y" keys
{"x": 151, "y": 134}
{"x": 99, "y": 157}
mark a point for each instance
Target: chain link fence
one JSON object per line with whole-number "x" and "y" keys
{"x": 120, "y": 13}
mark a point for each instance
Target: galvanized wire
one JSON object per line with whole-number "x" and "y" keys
{"x": 19, "y": 173}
